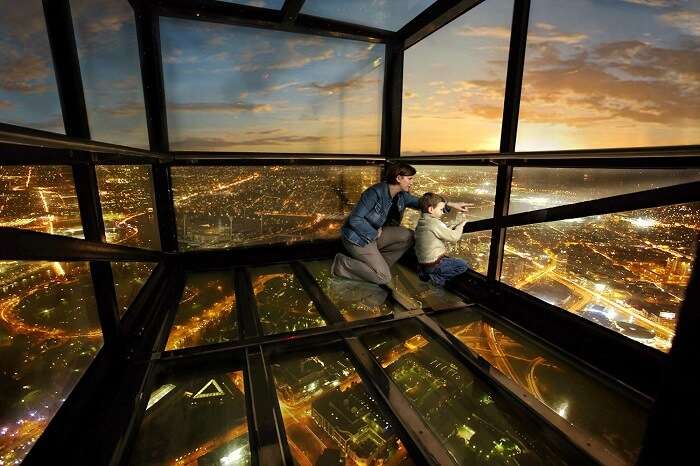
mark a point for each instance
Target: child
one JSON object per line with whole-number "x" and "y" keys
{"x": 431, "y": 235}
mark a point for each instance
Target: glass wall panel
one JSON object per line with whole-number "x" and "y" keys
{"x": 474, "y": 422}
{"x": 588, "y": 403}
{"x": 626, "y": 271}
{"x": 475, "y": 185}
{"x": 128, "y": 205}
{"x": 129, "y": 278}
{"x": 28, "y": 92}
{"x": 49, "y": 335}
{"x": 610, "y": 74}
{"x": 40, "y": 198}
{"x": 385, "y": 14}
{"x": 540, "y": 188}
{"x": 195, "y": 420}
{"x": 207, "y": 311}
{"x": 105, "y": 34}
{"x": 355, "y": 299}
{"x": 219, "y": 207}
{"x": 283, "y": 305}
{"x": 273, "y": 92}
{"x": 454, "y": 84}
{"x": 329, "y": 417}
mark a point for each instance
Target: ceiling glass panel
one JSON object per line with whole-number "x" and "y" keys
{"x": 611, "y": 74}
{"x": 105, "y": 35}
{"x": 231, "y": 88}
{"x": 273, "y": 4}
{"x": 383, "y": 14}
{"x": 28, "y": 92}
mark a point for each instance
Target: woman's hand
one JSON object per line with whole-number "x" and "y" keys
{"x": 379, "y": 232}
{"x": 460, "y": 206}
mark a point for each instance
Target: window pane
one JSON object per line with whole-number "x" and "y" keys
{"x": 40, "y": 198}
{"x": 50, "y": 334}
{"x": 454, "y": 84}
{"x": 283, "y": 305}
{"x": 473, "y": 421}
{"x": 610, "y": 74}
{"x": 272, "y": 4}
{"x": 128, "y": 205}
{"x": 626, "y": 271}
{"x": 387, "y": 14}
{"x": 355, "y": 299}
{"x": 273, "y": 92}
{"x": 28, "y": 92}
{"x": 219, "y": 207}
{"x": 195, "y": 420}
{"x": 540, "y": 188}
{"x": 129, "y": 277}
{"x": 105, "y": 34}
{"x": 587, "y": 402}
{"x": 207, "y": 311}
{"x": 329, "y": 417}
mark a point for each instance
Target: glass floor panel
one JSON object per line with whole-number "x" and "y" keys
{"x": 329, "y": 417}
{"x": 283, "y": 305}
{"x": 207, "y": 311}
{"x": 195, "y": 420}
{"x": 355, "y": 299}
{"x": 475, "y": 423}
{"x": 580, "y": 398}
{"x": 406, "y": 281}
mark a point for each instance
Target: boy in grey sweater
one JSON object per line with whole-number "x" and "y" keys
{"x": 430, "y": 236}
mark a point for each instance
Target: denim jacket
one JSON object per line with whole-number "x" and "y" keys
{"x": 371, "y": 212}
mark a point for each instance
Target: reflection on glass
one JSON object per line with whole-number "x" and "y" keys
{"x": 355, "y": 299}
{"x": 454, "y": 84}
{"x": 540, "y": 188}
{"x": 385, "y": 14}
{"x": 129, "y": 277}
{"x": 128, "y": 205}
{"x": 474, "y": 422}
{"x": 219, "y": 207}
{"x": 430, "y": 297}
{"x": 581, "y": 399}
{"x": 49, "y": 335}
{"x": 206, "y": 313}
{"x": 283, "y": 305}
{"x": 195, "y": 420}
{"x": 610, "y": 74}
{"x": 105, "y": 35}
{"x": 329, "y": 417}
{"x": 626, "y": 271}
{"x": 273, "y": 92}
{"x": 28, "y": 92}
{"x": 40, "y": 198}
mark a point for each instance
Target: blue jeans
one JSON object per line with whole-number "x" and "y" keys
{"x": 447, "y": 268}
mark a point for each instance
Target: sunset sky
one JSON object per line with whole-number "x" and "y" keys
{"x": 598, "y": 73}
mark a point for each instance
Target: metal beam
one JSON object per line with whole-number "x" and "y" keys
{"x": 498, "y": 232}
{"x": 246, "y": 306}
{"x": 291, "y": 9}
{"x": 433, "y": 18}
{"x": 17, "y": 244}
{"x": 264, "y": 18}
{"x": 148, "y": 35}
{"x": 184, "y": 158}
{"x": 392, "y": 100}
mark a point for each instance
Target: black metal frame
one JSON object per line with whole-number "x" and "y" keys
{"x": 128, "y": 361}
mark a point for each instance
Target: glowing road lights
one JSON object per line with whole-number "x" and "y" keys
{"x": 642, "y": 222}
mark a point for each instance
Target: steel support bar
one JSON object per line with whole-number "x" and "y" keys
{"x": 500, "y": 210}
{"x": 267, "y": 429}
{"x": 17, "y": 244}
{"x": 433, "y": 18}
{"x": 392, "y": 100}
{"x": 291, "y": 9}
{"x": 106, "y": 298}
{"x": 246, "y": 306}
